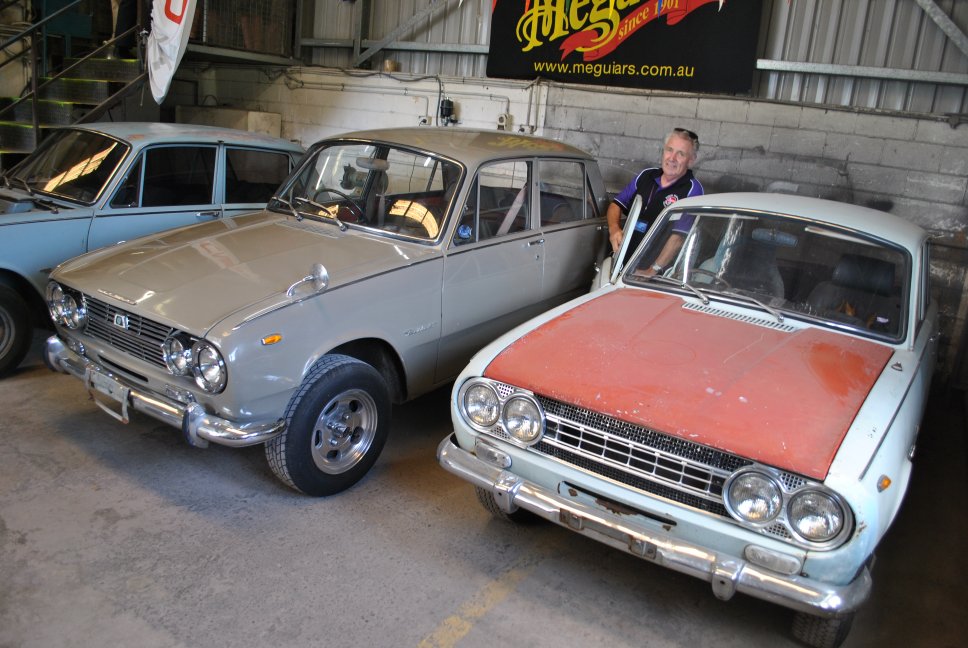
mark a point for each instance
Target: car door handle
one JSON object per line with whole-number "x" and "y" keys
{"x": 536, "y": 242}
{"x": 207, "y": 214}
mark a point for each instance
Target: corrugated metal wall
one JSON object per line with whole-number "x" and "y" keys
{"x": 894, "y": 35}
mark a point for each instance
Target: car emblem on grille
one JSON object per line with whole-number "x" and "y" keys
{"x": 121, "y": 321}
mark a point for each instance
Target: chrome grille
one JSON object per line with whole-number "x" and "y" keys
{"x": 684, "y": 472}
{"x": 142, "y": 338}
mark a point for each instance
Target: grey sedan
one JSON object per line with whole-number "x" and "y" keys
{"x": 90, "y": 186}
{"x": 384, "y": 262}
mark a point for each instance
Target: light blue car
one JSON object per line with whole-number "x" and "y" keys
{"x": 94, "y": 185}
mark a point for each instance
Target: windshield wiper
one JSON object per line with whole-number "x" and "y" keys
{"x": 321, "y": 208}
{"x": 289, "y": 206}
{"x": 769, "y": 309}
{"x": 25, "y": 184}
{"x": 679, "y": 284}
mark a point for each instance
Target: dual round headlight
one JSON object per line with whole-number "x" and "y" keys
{"x": 811, "y": 513}
{"x": 519, "y": 415}
{"x": 64, "y": 308}
{"x": 185, "y": 356}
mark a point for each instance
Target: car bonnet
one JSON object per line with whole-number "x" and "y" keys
{"x": 192, "y": 278}
{"x": 783, "y": 397}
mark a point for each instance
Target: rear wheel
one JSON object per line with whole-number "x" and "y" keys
{"x": 822, "y": 632}
{"x": 336, "y": 427}
{"x": 15, "y": 331}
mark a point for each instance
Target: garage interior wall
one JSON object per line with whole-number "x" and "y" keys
{"x": 860, "y": 125}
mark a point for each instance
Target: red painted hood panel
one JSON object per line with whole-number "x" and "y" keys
{"x": 783, "y": 399}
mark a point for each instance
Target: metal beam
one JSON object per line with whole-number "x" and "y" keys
{"x": 862, "y": 71}
{"x": 401, "y": 30}
{"x": 398, "y": 46}
{"x": 945, "y": 23}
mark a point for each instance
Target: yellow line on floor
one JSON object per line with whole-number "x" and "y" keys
{"x": 455, "y": 627}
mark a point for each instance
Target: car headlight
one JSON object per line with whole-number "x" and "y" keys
{"x": 816, "y": 516}
{"x": 177, "y": 353}
{"x": 481, "y": 405}
{"x": 64, "y": 309}
{"x": 208, "y": 367}
{"x": 523, "y": 419}
{"x": 754, "y": 497}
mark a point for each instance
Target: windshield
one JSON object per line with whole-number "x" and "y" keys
{"x": 376, "y": 186}
{"x": 71, "y": 164}
{"x": 783, "y": 265}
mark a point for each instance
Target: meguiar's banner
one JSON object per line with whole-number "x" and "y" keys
{"x": 686, "y": 45}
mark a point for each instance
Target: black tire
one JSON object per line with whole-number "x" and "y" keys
{"x": 521, "y": 516}
{"x": 15, "y": 330}
{"x": 822, "y": 632}
{"x": 336, "y": 427}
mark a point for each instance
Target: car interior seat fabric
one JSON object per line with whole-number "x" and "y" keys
{"x": 753, "y": 267}
{"x": 861, "y": 290}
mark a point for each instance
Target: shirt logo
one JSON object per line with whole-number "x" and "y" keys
{"x": 671, "y": 198}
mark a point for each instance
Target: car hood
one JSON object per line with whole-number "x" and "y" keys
{"x": 778, "y": 396}
{"x": 194, "y": 277}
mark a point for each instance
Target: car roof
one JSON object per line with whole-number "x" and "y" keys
{"x": 863, "y": 219}
{"x": 139, "y": 133}
{"x": 468, "y": 145}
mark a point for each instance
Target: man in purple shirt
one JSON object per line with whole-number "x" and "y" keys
{"x": 659, "y": 188}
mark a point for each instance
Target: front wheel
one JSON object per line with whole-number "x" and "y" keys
{"x": 15, "y": 331}
{"x": 336, "y": 427}
{"x": 822, "y": 632}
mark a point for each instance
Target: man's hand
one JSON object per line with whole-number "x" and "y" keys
{"x": 615, "y": 238}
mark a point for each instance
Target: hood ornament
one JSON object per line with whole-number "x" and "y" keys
{"x": 319, "y": 278}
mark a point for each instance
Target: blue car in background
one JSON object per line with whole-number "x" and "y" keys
{"x": 88, "y": 186}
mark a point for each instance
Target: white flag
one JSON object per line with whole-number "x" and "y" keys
{"x": 171, "y": 22}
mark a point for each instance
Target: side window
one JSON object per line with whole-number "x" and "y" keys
{"x": 498, "y": 203}
{"x": 564, "y": 196}
{"x": 179, "y": 175}
{"x": 129, "y": 191}
{"x": 252, "y": 176}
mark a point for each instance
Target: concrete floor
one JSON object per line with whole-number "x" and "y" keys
{"x": 115, "y": 535}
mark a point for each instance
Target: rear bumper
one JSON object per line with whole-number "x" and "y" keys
{"x": 117, "y": 395}
{"x": 727, "y": 574}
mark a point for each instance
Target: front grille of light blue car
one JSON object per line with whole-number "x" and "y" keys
{"x": 132, "y": 334}
{"x": 688, "y": 473}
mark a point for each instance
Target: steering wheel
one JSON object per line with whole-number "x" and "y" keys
{"x": 714, "y": 278}
{"x": 351, "y": 204}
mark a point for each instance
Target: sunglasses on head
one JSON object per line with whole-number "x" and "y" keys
{"x": 688, "y": 133}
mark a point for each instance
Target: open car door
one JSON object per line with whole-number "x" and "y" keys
{"x": 611, "y": 268}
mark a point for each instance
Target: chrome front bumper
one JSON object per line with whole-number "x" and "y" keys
{"x": 117, "y": 395}
{"x": 727, "y": 574}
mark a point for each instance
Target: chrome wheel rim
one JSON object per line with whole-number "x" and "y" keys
{"x": 344, "y": 431}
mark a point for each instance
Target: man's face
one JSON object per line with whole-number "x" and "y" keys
{"x": 678, "y": 154}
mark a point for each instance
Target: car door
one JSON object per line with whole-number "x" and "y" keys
{"x": 493, "y": 268}
{"x": 166, "y": 186}
{"x": 574, "y": 232}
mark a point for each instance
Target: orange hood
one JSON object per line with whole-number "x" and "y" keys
{"x": 781, "y": 398}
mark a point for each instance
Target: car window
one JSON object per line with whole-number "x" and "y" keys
{"x": 178, "y": 175}
{"x": 790, "y": 265}
{"x": 498, "y": 203}
{"x": 71, "y": 164}
{"x": 252, "y": 175}
{"x": 564, "y": 196}
{"x": 378, "y": 186}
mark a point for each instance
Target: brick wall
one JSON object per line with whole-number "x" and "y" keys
{"x": 915, "y": 167}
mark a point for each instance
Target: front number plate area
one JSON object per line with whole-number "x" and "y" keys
{"x": 100, "y": 386}
{"x": 636, "y": 545}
